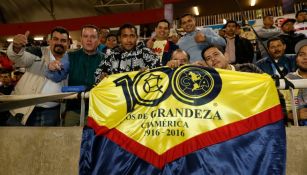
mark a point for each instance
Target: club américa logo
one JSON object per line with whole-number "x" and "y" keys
{"x": 196, "y": 85}
{"x": 189, "y": 84}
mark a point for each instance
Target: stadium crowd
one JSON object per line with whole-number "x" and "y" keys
{"x": 280, "y": 51}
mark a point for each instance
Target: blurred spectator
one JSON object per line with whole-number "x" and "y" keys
{"x": 111, "y": 43}
{"x": 301, "y": 22}
{"x": 238, "y": 49}
{"x": 300, "y": 73}
{"x": 18, "y": 73}
{"x": 5, "y": 62}
{"x": 6, "y": 86}
{"x": 268, "y": 30}
{"x": 160, "y": 44}
{"x": 103, "y": 33}
{"x": 179, "y": 58}
{"x": 195, "y": 40}
{"x": 173, "y": 36}
{"x": 276, "y": 49}
{"x": 289, "y": 35}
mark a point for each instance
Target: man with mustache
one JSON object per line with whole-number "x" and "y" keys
{"x": 34, "y": 81}
{"x": 128, "y": 56}
{"x": 276, "y": 48}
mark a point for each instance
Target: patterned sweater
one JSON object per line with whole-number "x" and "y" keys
{"x": 120, "y": 61}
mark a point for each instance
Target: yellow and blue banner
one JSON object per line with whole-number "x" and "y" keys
{"x": 189, "y": 120}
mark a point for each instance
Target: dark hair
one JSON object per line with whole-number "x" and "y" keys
{"x": 300, "y": 11}
{"x": 163, "y": 20}
{"x": 274, "y": 39}
{"x": 61, "y": 30}
{"x": 126, "y": 26}
{"x": 220, "y": 48}
{"x": 231, "y": 22}
{"x": 111, "y": 35}
{"x": 186, "y": 14}
{"x": 4, "y": 71}
{"x": 90, "y": 26}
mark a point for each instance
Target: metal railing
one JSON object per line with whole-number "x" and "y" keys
{"x": 237, "y": 16}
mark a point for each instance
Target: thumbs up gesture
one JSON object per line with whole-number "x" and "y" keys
{"x": 20, "y": 41}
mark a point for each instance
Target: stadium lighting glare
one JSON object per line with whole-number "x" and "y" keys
{"x": 224, "y": 21}
{"x": 195, "y": 9}
{"x": 253, "y": 3}
{"x": 38, "y": 38}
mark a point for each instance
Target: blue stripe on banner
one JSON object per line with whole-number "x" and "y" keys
{"x": 262, "y": 151}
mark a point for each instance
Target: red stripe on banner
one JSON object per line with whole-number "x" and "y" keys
{"x": 99, "y": 130}
{"x": 114, "y": 20}
{"x": 209, "y": 138}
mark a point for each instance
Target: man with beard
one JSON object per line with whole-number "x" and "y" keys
{"x": 276, "y": 48}
{"x": 34, "y": 80}
{"x": 300, "y": 73}
{"x": 159, "y": 44}
{"x": 128, "y": 56}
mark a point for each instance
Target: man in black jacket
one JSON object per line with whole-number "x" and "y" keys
{"x": 239, "y": 50}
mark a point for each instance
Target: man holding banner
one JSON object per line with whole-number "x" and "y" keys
{"x": 188, "y": 120}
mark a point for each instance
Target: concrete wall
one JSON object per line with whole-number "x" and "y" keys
{"x": 39, "y": 151}
{"x": 297, "y": 151}
{"x": 55, "y": 150}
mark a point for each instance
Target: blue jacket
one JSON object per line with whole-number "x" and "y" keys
{"x": 286, "y": 63}
{"x": 80, "y": 67}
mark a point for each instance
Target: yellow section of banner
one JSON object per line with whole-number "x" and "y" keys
{"x": 162, "y": 108}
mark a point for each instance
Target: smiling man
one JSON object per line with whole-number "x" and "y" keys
{"x": 79, "y": 66}
{"x": 128, "y": 56}
{"x": 159, "y": 44}
{"x": 34, "y": 81}
{"x": 214, "y": 56}
{"x": 196, "y": 39}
